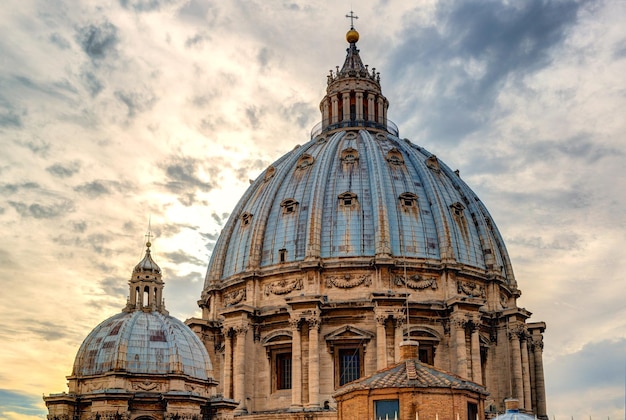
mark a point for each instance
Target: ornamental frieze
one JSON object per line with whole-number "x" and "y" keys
{"x": 470, "y": 289}
{"x": 235, "y": 297}
{"x": 109, "y": 415}
{"x": 282, "y": 287}
{"x": 416, "y": 282}
{"x": 349, "y": 281}
{"x": 146, "y": 386}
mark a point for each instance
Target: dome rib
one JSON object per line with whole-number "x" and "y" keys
{"x": 322, "y": 169}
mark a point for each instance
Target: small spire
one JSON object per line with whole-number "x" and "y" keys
{"x": 148, "y": 234}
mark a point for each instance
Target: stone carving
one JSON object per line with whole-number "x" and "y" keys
{"x": 504, "y": 300}
{"x": 470, "y": 289}
{"x": 416, "y": 282}
{"x": 271, "y": 171}
{"x": 235, "y": 297}
{"x": 282, "y": 287}
{"x": 146, "y": 386}
{"x": 92, "y": 386}
{"x": 348, "y": 282}
{"x": 433, "y": 164}
{"x": 184, "y": 416}
{"x": 108, "y": 415}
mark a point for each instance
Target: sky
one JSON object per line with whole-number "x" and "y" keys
{"x": 120, "y": 112}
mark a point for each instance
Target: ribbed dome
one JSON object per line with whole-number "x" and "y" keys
{"x": 142, "y": 342}
{"x": 355, "y": 194}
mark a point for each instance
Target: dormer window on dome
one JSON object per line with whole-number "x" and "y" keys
{"x": 289, "y": 206}
{"x": 349, "y": 155}
{"x": 246, "y": 218}
{"x": 347, "y": 199}
{"x": 408, "y": 200}
{"x": 394, "y": 157}
{"x": 305, "y": 161}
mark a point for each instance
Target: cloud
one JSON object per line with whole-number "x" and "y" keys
{"x": 7, "y": 260}
{"x": 146, "y": 5}
{"x": 136, "y": 100}
{"x": 181, "y": 257}
{"x": 457, "y": 65}
{"x": 597, "y": 366}
{"x": 43, "y": 211}
{"x": 64, "y": 170}
{"x": 38, "y": 146}
{"x": 197, "y": 40}
{"x": 16, "y": 404}
{"x": 14, "y": 188}
{"x": 98, "y": 41}
{"x": 101, "y": 187}
{"x": 59, "y": 40}
{"x": 91, "y": 83}
{"x": 184, "y": 178}
{"x": 10, "y": 119}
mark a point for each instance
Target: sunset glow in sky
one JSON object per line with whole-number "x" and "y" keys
{"x": 120, "y": 111}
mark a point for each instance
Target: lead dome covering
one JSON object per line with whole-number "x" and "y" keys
{"x": 355, "y": 194}
{"x": 142, "y": 342}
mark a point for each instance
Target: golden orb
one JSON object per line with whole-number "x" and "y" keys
{"x": 352, "y": 36}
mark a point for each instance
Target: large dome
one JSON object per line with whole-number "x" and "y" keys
{"x": 350, "y": 244}
{"x": 353, "y": 195}
{"x": 142, "y": 342}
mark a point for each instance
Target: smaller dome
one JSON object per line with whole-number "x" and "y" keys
{"x": 143, "y": 343}
{"x": 147, "y": 264}
{"x": 352, "y": 36}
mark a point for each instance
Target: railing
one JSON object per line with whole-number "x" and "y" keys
{"x": 389, "y": 126}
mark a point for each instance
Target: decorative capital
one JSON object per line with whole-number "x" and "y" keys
{"x": 241, "y": 329}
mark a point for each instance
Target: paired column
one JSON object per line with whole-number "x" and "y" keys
{"x": 477, "y": 371}
{"x": 381, "y": 341}
{"x": 335, "y": 110}
{"x": 516, "y": 366}
{"x": 346, "y": 106}
{"x": 296, "y": 364}
{"x": 314, "y": 361}
{"x": 228, "y": 364}
{"x": 460, "y": 324}
{"x": 398, "y": 335}
{"x": 239, "y": 368}
{"x": 528, "y": 405}
{"x": 540, "y": 388}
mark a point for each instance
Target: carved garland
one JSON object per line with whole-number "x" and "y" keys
{"x": 146, "y": 386}
{"x": 347, "y": 282}
{"x": 282, "y": 287}
{"x": 235, "y": 297}
{"x": 416, "y": 282}
{"x": 470, "y": 289}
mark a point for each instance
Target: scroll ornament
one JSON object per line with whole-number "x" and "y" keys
{"x": 235, "y": 297}
{"x": 416, "y": 282}
{"x": 347, "y": 282}
{"x": 470, "y": 289}
{"x": 282, "y": 287}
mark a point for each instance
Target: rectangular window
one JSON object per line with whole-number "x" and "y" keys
{"x": 283, "y": 371}
{"x": 349, "y": 365}
{"x": 387, "y": 409}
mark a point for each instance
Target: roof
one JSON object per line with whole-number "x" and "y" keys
{"x": 142, "y": 343}
{"x": 411, "y": 374}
